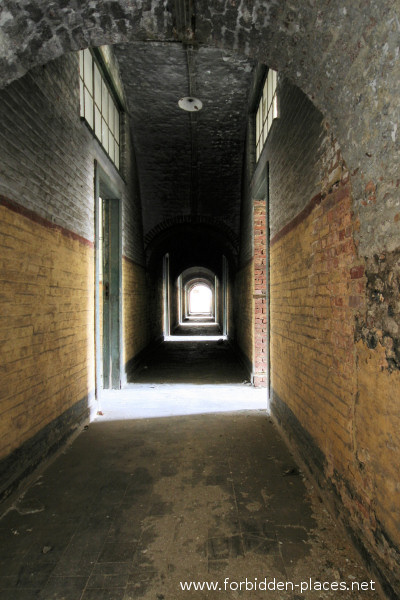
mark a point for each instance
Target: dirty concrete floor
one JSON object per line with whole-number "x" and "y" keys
{"x": 173, "y": 484}
{"x": 197, "y": 327}
{"x": 197, "y": 362}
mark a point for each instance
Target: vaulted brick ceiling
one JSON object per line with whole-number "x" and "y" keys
{"x": 189, "y": 163}
{"x": 343, "y": 53}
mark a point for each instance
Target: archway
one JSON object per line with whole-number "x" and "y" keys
{"x": 353, "y": 76}
{"x": 200, "y": 300}
{"x": 284, "y": 37}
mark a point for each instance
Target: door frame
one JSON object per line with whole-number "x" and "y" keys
{"x": 106, "y": 190}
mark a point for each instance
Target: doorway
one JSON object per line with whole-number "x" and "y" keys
{"x": 108, "y": 286}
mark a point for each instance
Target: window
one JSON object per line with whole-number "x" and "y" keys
{"x": 267, "y": 111}
{"x": 98, "y": 106}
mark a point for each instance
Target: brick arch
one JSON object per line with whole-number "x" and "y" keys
{"x": 181, "y": 220}
{"x": 341, "y": 53}
{"x": 176, "y": 238}
{"x": 197, "y": 273}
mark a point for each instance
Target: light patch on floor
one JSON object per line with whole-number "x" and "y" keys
{"x": 144, "y": 401}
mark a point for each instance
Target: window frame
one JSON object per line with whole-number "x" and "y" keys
{"x": 267, "y": 110}
{"x": 100, "y": 107}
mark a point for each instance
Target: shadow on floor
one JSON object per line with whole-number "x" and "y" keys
{"x": 136, "y": 507}
{"x": 194, "y": 362}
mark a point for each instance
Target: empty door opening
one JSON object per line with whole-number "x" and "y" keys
{"x": 108, "y": 288}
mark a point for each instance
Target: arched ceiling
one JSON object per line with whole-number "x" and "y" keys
{"x": 343, "y": 53}
{"x": 197, "y": 274}
{"x": 189, "y": 164}
{"x": 191, "y": 246}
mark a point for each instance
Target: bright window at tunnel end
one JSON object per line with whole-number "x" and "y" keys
{"x": 200, "y": 299}
{"x": 267, "y": 110}
{"x": 99, "y": 107}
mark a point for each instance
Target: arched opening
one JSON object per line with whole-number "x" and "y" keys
{"x": 200, "y": 300}
{"x": 323, "y": 191}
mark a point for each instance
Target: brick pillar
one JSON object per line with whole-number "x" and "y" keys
{"x": 260, "y": 366}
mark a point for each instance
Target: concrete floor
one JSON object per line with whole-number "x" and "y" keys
{"x": 206, "y": 361}
{"x": 174, "y": 483}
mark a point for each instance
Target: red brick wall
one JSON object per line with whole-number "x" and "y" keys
{"x": 317, "y": 290}
{"x": 260, "y": 371}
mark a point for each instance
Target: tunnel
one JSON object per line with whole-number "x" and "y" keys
{"x": 200, "y": 258}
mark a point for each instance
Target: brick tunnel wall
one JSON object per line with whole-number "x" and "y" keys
{"x": 334, "y": 343}
{"x": 243, "y": 314}
{"x": 156, "y": 303}
{"x": 251, "y": 306}
{"x": 336, "y": 396}
{"x": 47, "y": 259}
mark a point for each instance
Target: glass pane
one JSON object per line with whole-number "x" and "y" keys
{"x": 88, "y": 73}
{"x": 104, "y": 134}
{"x": 116, "y": 156}
{"x": 270, "y": 88}
{"x": 110, "y": 119}
{"x": 111, "y": 146}
{"x": 265, "y": 100}
{"x": 81, "y": 63}
{"x": 104, "y": 95}
{"x": 274, "y": 80}
{"x": 82, "y": 97}
{"x": 116, "y": 124}
{"x": 258, "y": 124}
{"x": 261, "y": 122}
{"x": 97, "y": 86}
{"x": 265, "y": 90}
{"x": 269, "y": 119}
{"x": 88, "y": 108}
{"x": 100, "y": 230}
{"x": 111, "y": 123}
{"x": 97, "y": 123}
{"x": 275, "y": 107}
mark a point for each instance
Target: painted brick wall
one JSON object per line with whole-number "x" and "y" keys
{"x": 313, "y": 302}
{"x": 336, "y": 394}
{"x": 46, "y": 330}
{"x": 335, "y": 328}
{"x": 243, "y": 313}
{"x": 47, "y": 263}
{"x": 155, "y": 282}
{"x": 135, "y": 309}
{"x": 47, "y": 309}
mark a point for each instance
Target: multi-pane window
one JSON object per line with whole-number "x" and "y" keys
{"x": 267, "y": 111}
{"x": 98, "y": 106}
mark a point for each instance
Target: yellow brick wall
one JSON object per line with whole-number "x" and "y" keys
{"x": 312, "y": 328}
{"x": 136, "y": 330}
{"x": 375, "y": 470}
{"x": 46, "y": 325}
{"x": 244, "y": 310}
{"x": 341, "y": 393}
